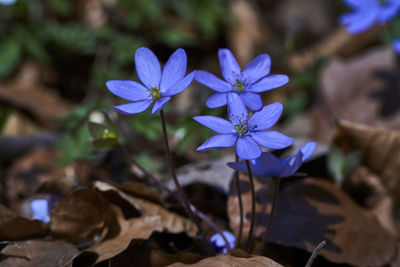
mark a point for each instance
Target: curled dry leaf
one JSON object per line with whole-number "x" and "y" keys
{"x": 363, "y": 89}
{"x": 229, "y": 261}
{"x": 37, "y": 253}
{"x": 313, "y": 210}
{"x": 381, "y": 151}
{"x": 172, "y": 222}
{"x": 13, "y": 226}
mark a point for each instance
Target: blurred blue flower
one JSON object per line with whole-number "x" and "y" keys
{"x": 40, "y": 210}
{"x": 247, "y": 83}
{"x": 158, "y": 87}
{"x": 7, "y": 2}
{"x": 247, "y": 132}
{"x": 270, "y": 165}
{"x": 218, "y": 243}
{"x": 396, "y": 45}
{"x": 368, "y": 12}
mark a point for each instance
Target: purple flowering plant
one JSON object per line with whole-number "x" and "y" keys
{"x": 244, "y": 131}
{"x": 157, "y": 86}
{"x": 246, "y": 83}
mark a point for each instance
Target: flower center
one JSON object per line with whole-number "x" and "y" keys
{"x": 241, "y": 128}
{"x": 155, "y": 93}
{"x": 239, "y": 85}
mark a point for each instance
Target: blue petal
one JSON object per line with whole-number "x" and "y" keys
{"x": 217, "y": 100}
{"x": 218, "y": 242}
{"x": 291, "y": 165}
{"x": 258, "y": 68}
{"x": 360, "y": 3}
{"x": 180, "y": 85}
{"x": 216, "y": 124}
{"x": 396, "y": 45}
{"x": 387, "y": 12}
{"x": 174, "y": 70}
{"x": 212, "y": 81}
{"x": 307, "y": 150}
{"x": 247, "y": 149}
{"x": 218, "y": 141}
{"x": 129, "y": 90}
{"x": 133, "y": 108}
{"x": 358, "y": 22}
{"x": 266, "y": 117}
{"x": 252, "y": 101}
{"x": 271, "y": 165}
{"x": 236, "y": 109}
{"x": 147, "y": 67}
{"x": 272, "y": 139}
{"x": 230, "y": 69}
{"x": 40, "y": 210}
{"x": 160, "y": 104}
{"x": 256, "y": 169}
{"x": 268, "y": 83}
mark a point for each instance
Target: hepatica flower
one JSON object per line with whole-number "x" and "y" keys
{"x": 368, "y": 12}
{"x": 396, "y": 45}
{"x": 218, "y": 243}
{"x": 247, "y": 83}
{"x": 247, "y": 132}
{"x": 157, "y": 86}
{"x": 270, "y": 165}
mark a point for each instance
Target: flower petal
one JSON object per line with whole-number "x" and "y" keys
{"x": 180, "y": 85}
{"x": 237, "y": 111}
{"x": 129, "y": 90}
{"x": 272, "y": 139}
{"x": 256, "y": 169}
{"x": 174, "y": 70}
{"x": 217, "y": 100}
{"x": 271, "y": 165}
{"x": 216, "y": 124}
{"x": 266, "y": 117}
{"x": 358, "y": 22}
{"x": 212, "y": 81}
{"x": 290, "y": 166}
{"x": 252, "y": 101}
{"x": 247, "y": 149}
{"x": 307, "y": 150}
{"x": 160, "y": 103}
{"x": 147, "y": 67}
{"x": 230, "y": 69}
{"x": 218, "y": 141}
{"x": 268, "y": 83}
{"x": 396, "y": 45}
{"x": 387, "y": 12}
{"x": 133, "y": 108}
{"x": 258, "y": 68}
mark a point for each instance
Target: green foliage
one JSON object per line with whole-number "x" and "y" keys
{"x": 104, "y": 134}
{"x": 295, "y": 104}
{"x": 340, "y": 165}
{"x": 4, "y": 115}
{"x": 75, "y": 147}
{"x": 10, "y": 54}
{"x": 392, "y": 32}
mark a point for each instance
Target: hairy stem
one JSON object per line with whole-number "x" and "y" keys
{"x": 249, "y": 243}
{"x": 271, "y": 216}
{"x": 239, "y": 195}
{"x": 315, "y": 253}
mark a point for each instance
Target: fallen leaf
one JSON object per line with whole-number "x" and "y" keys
{"x": 381, "y": 151}
{"x": 348, "y": 87}
{"x": 313, "y": 210}
{"x": 172, "y": 222}
{"x": 229, "y": 261}
{"x": 14, "y": 227}
{"x": 37, "y": 253}
{"x": 160, "y": 258}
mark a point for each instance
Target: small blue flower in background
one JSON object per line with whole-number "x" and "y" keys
{"x": 40, "y": 209}
{"x": 158, "y": 86}
{"x": 7, "y": 2}
{"x": 217, "y": 242}
{"x": 247, "y": 132}
{"x": 247, "y": 83}
{"x": 270, "y": 165}
{"x": 396, "y": 45}
{"x": 368, "y": 12}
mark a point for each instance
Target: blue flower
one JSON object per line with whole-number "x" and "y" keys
{"x": 270, "y": 165}
{"x": 247, "y": 132}
{"x": 158, "y": 86}
{"x": 368, "y": 12}
{"x": 396, "y": 45}
{"x": 247, "y": 83}
{"x": 218, "y": 243}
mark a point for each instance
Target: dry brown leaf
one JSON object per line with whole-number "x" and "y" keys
{"x": 349, "y": 90}
{"x": 161, "y": 258}
{"x": 172, "y": 222}
{"x": 38, "y": 253}
{"x": 79, "y": 214}
{"x": 381, "y": 151}
{"x": 13, "y": 226}
{"x": 229, "y": 261}
{"x": 313, "y": 210}
{"x": 136, "y": 228}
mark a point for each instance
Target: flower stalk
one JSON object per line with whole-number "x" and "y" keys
{"x": 249, "y": 243}
{"x": 237, "y": 181}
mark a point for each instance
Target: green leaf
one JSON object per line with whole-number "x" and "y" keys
{"x": 10, "y": 55}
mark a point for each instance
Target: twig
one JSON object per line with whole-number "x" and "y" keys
{"x": 315, "y": 253}
{"x": 249, "y": 243}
